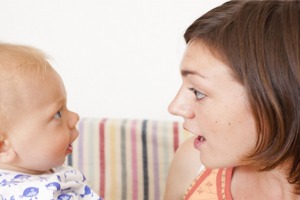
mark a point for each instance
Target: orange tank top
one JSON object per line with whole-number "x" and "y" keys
{"x": 211, "y": 184}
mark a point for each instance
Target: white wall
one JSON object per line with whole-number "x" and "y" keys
{"x": 118, "y": 58}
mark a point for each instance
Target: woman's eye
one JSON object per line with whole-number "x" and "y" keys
{"x": 57, "y": 115}
{"x": 198, "y": 95}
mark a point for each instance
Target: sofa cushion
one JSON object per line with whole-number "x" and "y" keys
{"x": 126, "y": 158}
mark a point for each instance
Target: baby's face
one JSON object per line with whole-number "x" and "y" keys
{"x": 44, "y": 129}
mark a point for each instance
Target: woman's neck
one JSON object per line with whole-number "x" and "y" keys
{"x": 249, "y": 183}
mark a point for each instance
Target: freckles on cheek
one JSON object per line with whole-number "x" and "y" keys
{"x": 228, "y": 123}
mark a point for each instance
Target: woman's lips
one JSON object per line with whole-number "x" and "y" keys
{"x": 199, "y": 140}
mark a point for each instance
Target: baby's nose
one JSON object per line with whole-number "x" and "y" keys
{"x": 73, "y": 120}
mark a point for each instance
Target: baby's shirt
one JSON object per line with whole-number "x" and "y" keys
{"x": 65, "y": 183}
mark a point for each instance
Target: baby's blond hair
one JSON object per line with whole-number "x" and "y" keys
{"x": 17, "y": 62}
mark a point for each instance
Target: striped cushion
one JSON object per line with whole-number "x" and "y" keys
{"x": 126, "y": 159}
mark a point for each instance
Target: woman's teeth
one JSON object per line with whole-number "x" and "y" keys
{"x": 201, "y": 138}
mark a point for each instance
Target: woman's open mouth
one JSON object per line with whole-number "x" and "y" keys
{"x": 199, "y": 140}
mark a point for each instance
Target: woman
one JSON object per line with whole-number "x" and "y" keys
{"x": 240, "y": 96}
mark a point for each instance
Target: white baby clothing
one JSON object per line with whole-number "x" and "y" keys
{"x": 65, "y": 183}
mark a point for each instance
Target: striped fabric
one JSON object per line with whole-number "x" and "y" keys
{"x": 126, "y": 159}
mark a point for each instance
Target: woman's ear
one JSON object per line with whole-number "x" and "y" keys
{"x": 7, "y": 153}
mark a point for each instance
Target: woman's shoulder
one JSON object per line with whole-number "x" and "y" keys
{"x": 187, "y": 157}
{"x": 211, "y": 184}
{"x": 183, "y": 170}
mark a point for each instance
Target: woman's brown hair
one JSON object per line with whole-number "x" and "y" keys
{"x": 260, "y": 41}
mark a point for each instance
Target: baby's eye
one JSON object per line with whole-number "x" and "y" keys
{"x": 198, "y": 95}
{"x": 58, "y": 115}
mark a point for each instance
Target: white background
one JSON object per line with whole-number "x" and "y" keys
{"x": 118, "y": 59}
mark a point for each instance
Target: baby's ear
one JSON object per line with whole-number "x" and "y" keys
{"x": 7, "y": 153}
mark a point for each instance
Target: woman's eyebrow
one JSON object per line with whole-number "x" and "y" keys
{"x": 185, "y": 73}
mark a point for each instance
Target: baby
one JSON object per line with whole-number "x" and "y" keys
{"x": 36, "y": 130}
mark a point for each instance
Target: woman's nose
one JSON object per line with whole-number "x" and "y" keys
{"x": 180, "y": 106}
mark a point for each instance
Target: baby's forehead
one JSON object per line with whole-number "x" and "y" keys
{"x": 20, "y": 68}
{"x": 22, "y": 59}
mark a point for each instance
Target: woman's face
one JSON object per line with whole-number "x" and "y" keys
{"x": 215, "y": 107}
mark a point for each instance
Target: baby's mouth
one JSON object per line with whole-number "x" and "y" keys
{"x": 70, "y": 147}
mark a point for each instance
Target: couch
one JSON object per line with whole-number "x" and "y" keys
{"x": 126, "y": 159}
